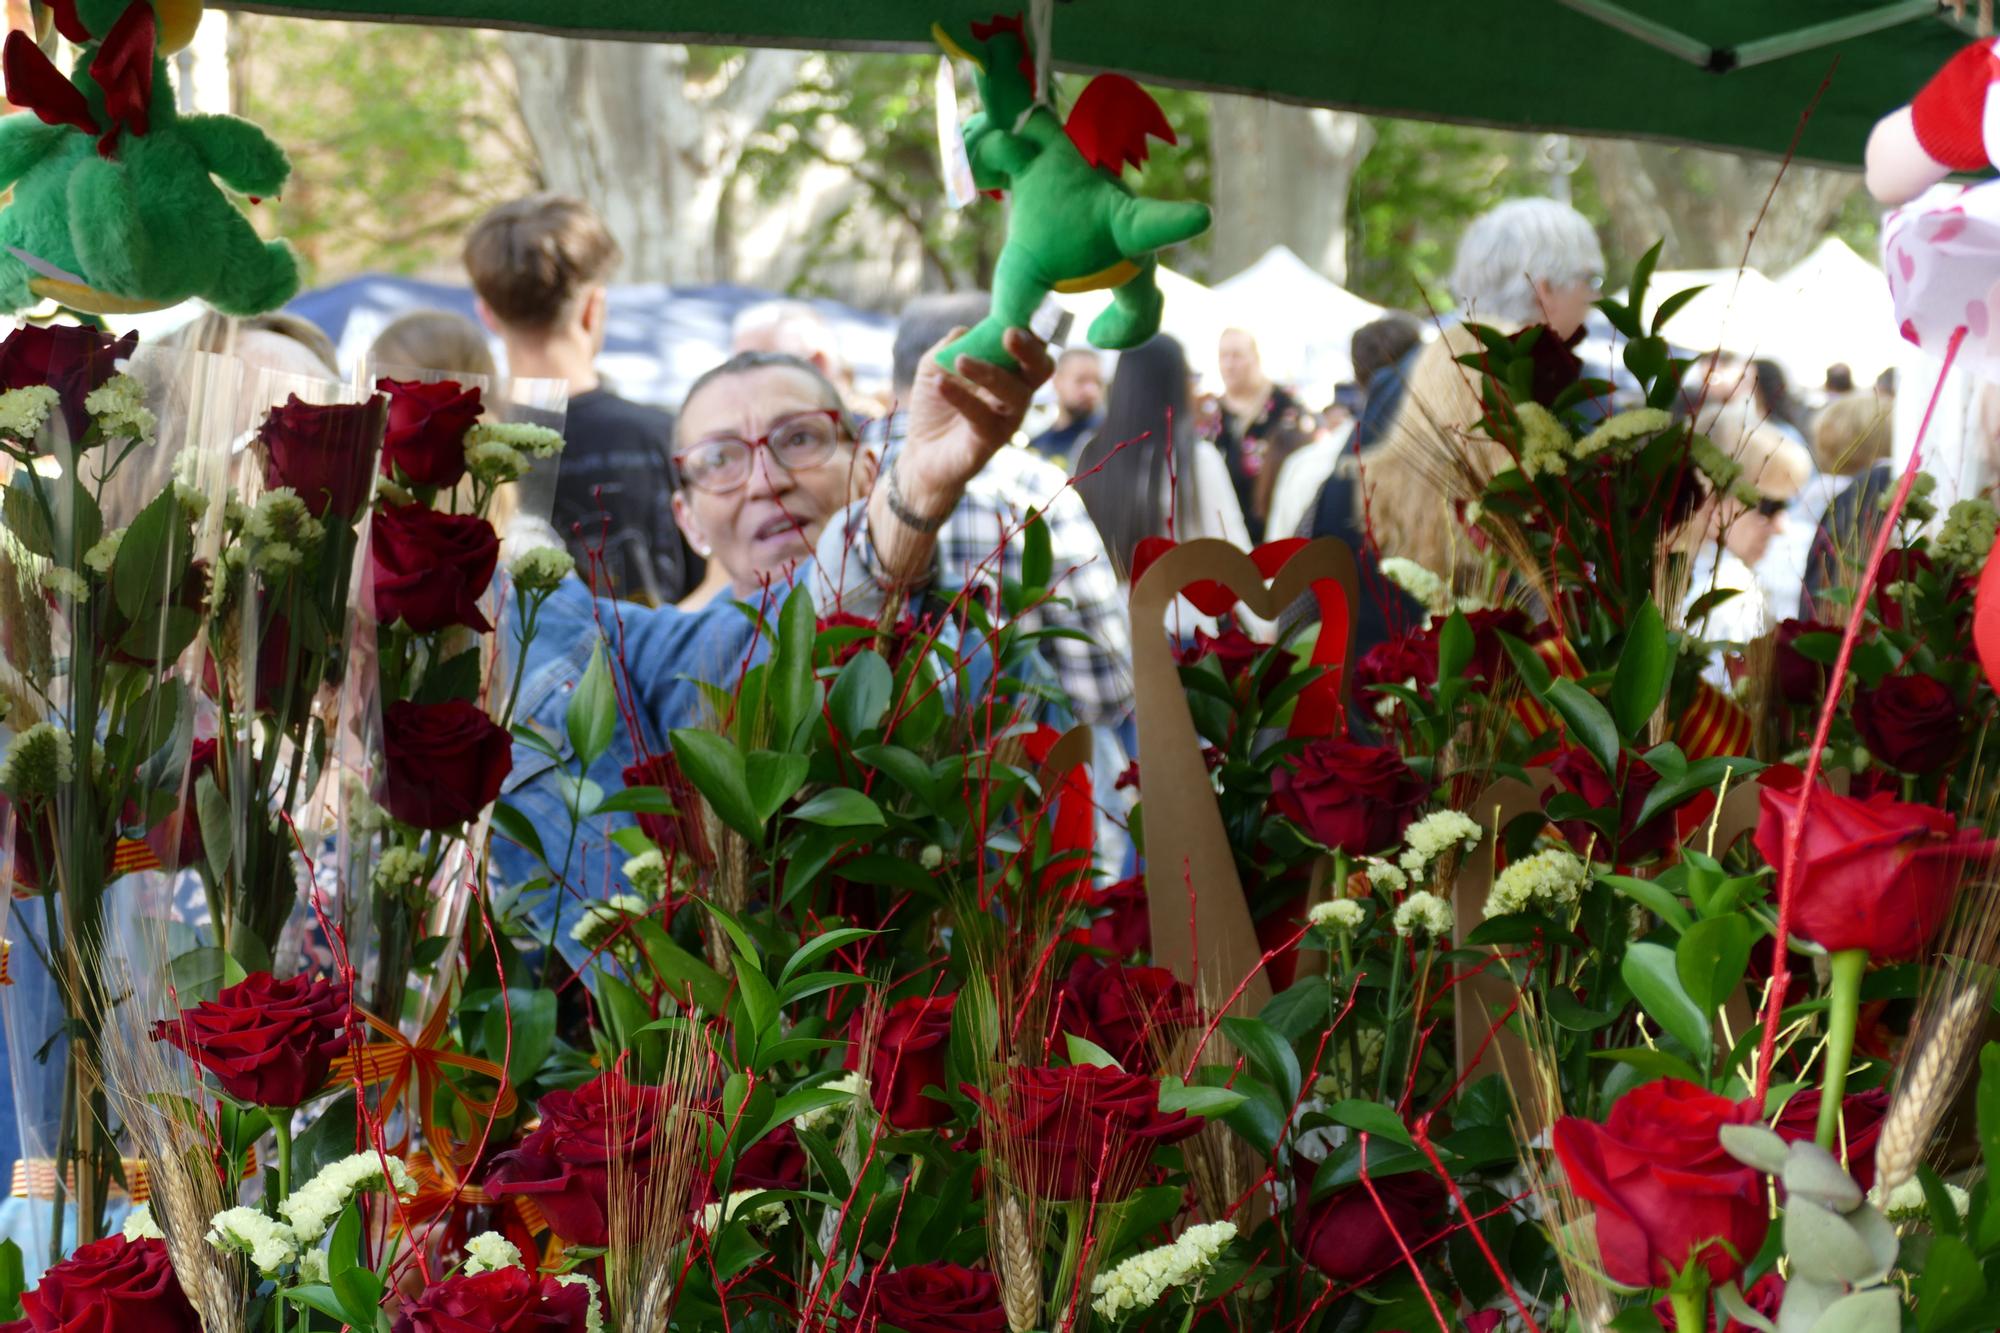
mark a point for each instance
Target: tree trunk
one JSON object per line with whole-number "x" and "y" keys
{"x": 1704, "y": 203}
{"x": 1281, "y": 176}
{"x": 652, "y": 145}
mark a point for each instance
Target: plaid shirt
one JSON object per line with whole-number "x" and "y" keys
{"x": 1095, "y": 669}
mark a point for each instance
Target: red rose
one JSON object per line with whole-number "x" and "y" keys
{"x": 1900, "y": 565}
{"x": 176, "y": 840}
{"x": 1134, "y": 1013}
{"x": 1083, "y": 1131}
{"x": 268, "y": 1042}
{"x": 680, "y": 834}
{"x": 69, "y": 358}
{"x": 506, "y": 1300}
{"x": 1861, "y": 1116}
{"x": 775, "y": 1162}
{"x": 1876, "y": 874}
{"x": 1578, "y": 773}
{"x": 1665, "y": 1191}
{"x": 1125, "y": 926}
{"x": 1398, "y": 661}
{"x": 929, "y": 1298}
{"x": 323, "y": 451}
{"x": 110, "y": 1286}
{"x": 1556, "y": 366}
{"x": 1801, "y": 681}
{"x": 1354, "y": 798}
{"x": 429, "y": 569}
{"x": 1348, "y": 1237}
{"x": 911, "y": 1054}
{"x": 424, "y": 444}
{"x": 1910, "y": 723}
{"x": 1236, "y": 652}
{"x": 445, "y": 762}
{"x": 563, "y": 1166}
{"x": 1489, "y": 655}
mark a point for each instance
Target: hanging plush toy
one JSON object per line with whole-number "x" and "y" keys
{"x": 115, "y": 205}
{"x": 1948, "y": 127}
{"x": 1076, "y": 226}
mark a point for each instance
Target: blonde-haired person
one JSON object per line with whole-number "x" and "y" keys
{"x": 1733, "y": 535}
{"x": 435, "y": 341}
{"x": 1852, "y": 441}
{"x": 1525, "y": 262}
{"x": 277, "y": 341}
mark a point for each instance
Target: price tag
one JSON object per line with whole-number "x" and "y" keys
{"x": 954, "y": 165}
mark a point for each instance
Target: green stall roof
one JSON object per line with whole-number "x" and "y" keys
{"x": 1734, "y": 74}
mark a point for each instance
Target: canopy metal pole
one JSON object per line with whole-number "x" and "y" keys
{"x": 1759, "y": 51}
{"x": 1653, "y": 33}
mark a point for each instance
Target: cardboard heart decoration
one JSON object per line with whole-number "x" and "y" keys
{"x": 1193, "y": 890}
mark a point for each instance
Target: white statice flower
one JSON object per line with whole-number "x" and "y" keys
{"x": 139, "y": 1224}
{"x": 541, "y": 569}
{"x": 1906, "y": 1202}
{"x": 765, "y": 1217}
{"x": 600, "y": 920}
{"x": 392, "y": 492}
{"x": 119, "y": 407}
{"x": 1424, "y": 913}
{"x": 104, "y": 551}
{"x": 269, "y": 1243}
{"x": 23, "y": 412}
{"x": 312, "y": 1207}
{"x": 534, "y": 441}
{"x": 281, "y": 516}
{"x": 399, "y": 867}
{"x": 1340, "y": 915}
{"x": 1622, "y": 428}
{"x": 276, "y": 559}
{"x": 1546, "y": 446}
{"x": 1967, "y": 534}
{"x": 492, "y": 461}
{"x": 931, "y": 857}
{"x": 1550, "y": 879}
{"x": 593, "y": 1318}
{"x": 1424, "y": 586}
{"x": 647, "y": 873}
{"x": 313, "y": 1266}
{"x": 39, "y": 763}
{"x": 849, "y": 1083}
{"x": 1141, "y": 1281}
{"x": 1437, "y": 833}
{"x": 489, "y": 1250}
{"x": 1386, "y": 877}
{"x": 65, "y": 583}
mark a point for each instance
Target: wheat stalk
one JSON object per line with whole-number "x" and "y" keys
{"x": 1014, "y": 1255}
{"x": 648, "y": 1210}
{"x": 1925, "y": 1090}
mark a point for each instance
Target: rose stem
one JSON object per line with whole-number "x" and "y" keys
{"x": 281, "y": 1128}
{"x": 1849, "y": 966}
{"x": 1390, "y": 1014}
{"x": 1689, "y": 1314}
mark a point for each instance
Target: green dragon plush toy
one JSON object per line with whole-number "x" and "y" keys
{"x": 1076, "y": 226}
{"x": 115, "y": 203}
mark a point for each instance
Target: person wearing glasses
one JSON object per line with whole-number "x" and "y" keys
{"x": 1734, "y": 537}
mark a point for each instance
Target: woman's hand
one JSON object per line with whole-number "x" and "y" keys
{"x": 958, "y": 422}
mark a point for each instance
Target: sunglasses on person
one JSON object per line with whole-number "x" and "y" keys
{"x": 720, "y": 464}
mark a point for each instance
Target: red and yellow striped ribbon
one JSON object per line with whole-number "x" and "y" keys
{"x": 1713, "y": 724}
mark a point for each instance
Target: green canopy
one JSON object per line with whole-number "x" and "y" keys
{"x": 1735, "y": 74}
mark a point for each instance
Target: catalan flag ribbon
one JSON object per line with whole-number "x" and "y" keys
{"x": 1713, "y": 724}
{"x": 407, "y": 1066}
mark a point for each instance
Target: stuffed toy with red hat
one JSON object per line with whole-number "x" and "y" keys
{"x": 1952, "y": 125}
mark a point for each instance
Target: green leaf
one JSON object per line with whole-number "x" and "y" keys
{"x": 533, "y": 1013}
{"x": 1700, "y": 776}
{"x": 860, "y": 695}
{"x": 636, "y": 801}
{"x": 1373, "y": 1117}
{"x": 1085, "y": 1052}
{"x": 320, "y": 1297}
{"x": 327, "y": 1139}
{"x": 681, "y": 970}
{"x": 1534, "y": 672}
{"x": 909, "y": 771}
{"x": 360, "y": 1293}
{"x": 1645, "y": 663}
{"x": 1037, "y": 563}
{"x": 1653, "y": 897}
{"x": 200, "y": 974}
{"x": 1642, "y": 277}
{"x": 841, "y": 807}
{"x": 759, "y": 1000}
{"x": 1300, "y": 1008}
{"x": 1950, "y": 1285}
{"x": 1673, "y": 304}
{"x": 1455, "y": 647}
{"x": 1590, "y": 725}
{"x": 218, "y": 828}
{"x": 1197, "y": 1099}
{"x": 716, "y": 769}
{"x": 343, "y": 1249}
{"x": 790, "y": 688}
{"x": 1989, "y": 1107}
{"x": 513, "y": 825}
{"x": 592, "y": 715}
{"x": 1650, "y": 973}
{"x": 14, "y": 1278}
{"x": 812, "y": 950}
{"x": 145, "y": 553}
{"x": 1711, "y": 958}
{"x": 1269, "y": 1054}
{"x": 772, "y": 779}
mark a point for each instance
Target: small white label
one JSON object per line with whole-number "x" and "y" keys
{"x": 956, "y": 168}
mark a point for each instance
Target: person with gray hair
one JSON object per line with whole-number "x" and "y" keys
{"x": 1528, "y": 261}
{"x": 792, "y": 328}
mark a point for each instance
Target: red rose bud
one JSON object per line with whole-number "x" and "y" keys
{"x": 1410, "y": 657}
{"x": 1801, "y": 681}
{"x": 1236, "y": 653}
{"x": 1556, "y": 366}
{"x": 429, "y": 569}
{"x": 911, "y": 1053}
{"x": 113, "y": 1285}
{"x": 562, "y": 1168}
{"x": 268, "y": 1042}
{"x": 1876, "y": 874}
{"x": 1083, "y": 1131}
{"x": 506, "y": 1300}
{"x": 323, "y": 451}
{"x": 1666, "y": 1193}
{"x": 445, "y": 762}
{"x": 1900, "y": 565}
{"x": 424, "y": 444}
{"x": 1135, "y": 1014}
{"x": 1861, "y": 1117}
{"x": 1578, "y": 773}
{"x": 1354, "y": 798}
{"x": 1910, "y": 723}
{"x": 69, "y": 358}
{"x": 775, "y": 1162}
{"x": 679, "y": 836}
{"x": 929, "y": 1298}
{"x": 1489, "y": 656}
{"x": 1121, "y": 924}
{"x": 1348, "y": 1237}
{"x": 176, "y": 840}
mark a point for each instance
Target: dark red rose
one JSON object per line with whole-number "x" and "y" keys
{"x": 1408, "y": 659}
{"x": 1083, "y": 1131}
{"x": 506, "y": 1300}
{"x": 445, "y": 762}
{"x": 1354, "y": 798}
{"x": 1910, "y": 723}
{"x": 1236, "y": 652}
{"x": 1134, "y": 1013}
{"x": 775, "y": 1162}
{"x": 1876, "y": 874}
{"x": 911, "y": 1054}
{"x": 323, "y": 451}
{"x": 1489, "y": 656}
{"x": 1348, "y": 1237}
{"x": 1899, "y": 565}
{"x": 1123, "y": 922}
{"x": 679, "y": 836}
{"x": 429, "y": 569}
{"x": 110, "y": 1286}
{"x": 929, "y": 1298}
{"x": 268, "y": 1042}
{"x": 1556, "y": 366}
{"x": 1666, "y": 1193}
{"x": 1801, "y": 681}
{"x": 69, "y": 358}
{"x": 425, "y": 441}
{"x": 562, "y": 1167}
{"x": 176, "y": 840}
{"x": 1861, "y": 1116}
{"x": 36, "y": 846}
{"x": 1577, "y": 772}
